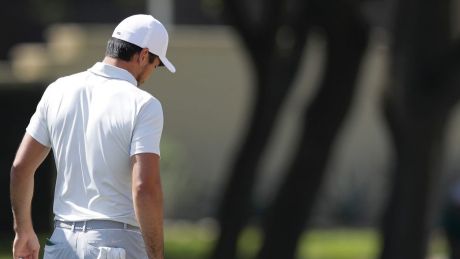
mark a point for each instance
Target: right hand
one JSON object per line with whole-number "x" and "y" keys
{"x": 26, "y": 246}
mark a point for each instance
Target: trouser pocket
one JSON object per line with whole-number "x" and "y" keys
{"x": 58, "y": 247}
{"x": 59, "y": 251}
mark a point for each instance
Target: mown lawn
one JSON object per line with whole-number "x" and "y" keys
{"x": 184, "y": 241}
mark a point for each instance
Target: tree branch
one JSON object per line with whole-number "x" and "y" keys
{"x": 259, "y": 30}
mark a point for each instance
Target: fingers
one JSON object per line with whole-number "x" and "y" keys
{"x": 35, "y": 254}
{"x": 27, "y": 254}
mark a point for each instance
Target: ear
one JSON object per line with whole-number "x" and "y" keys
{"x": 144, "y": 55}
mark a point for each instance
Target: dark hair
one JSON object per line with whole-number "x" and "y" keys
{"x": 124, "y": 50}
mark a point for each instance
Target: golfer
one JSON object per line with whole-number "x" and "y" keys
{"x": 105, "y": 135}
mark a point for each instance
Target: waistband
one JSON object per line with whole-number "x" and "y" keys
{"x": 93, "y": 224}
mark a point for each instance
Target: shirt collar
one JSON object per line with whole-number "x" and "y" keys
{"x": 113, "y": 72}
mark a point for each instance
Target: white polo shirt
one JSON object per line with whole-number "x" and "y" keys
{"x": 95, "y": 121}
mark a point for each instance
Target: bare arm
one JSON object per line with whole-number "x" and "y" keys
{"x": 29, "y": 156}
{"x": 148, "y": 201}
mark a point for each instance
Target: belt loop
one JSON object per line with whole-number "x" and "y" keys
{"x": 84, "y": 226}
{"x": 73, "y": 226}
{"x": 125, "y": 226}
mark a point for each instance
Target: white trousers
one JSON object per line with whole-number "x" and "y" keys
{"x": 95, "y": 244}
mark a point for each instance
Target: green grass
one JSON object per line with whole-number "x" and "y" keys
{"x": 185, "y": 241}
{"x": 194, "y": 243}
{"x": 352, "y": 244}
{"x": 349, "y": 244}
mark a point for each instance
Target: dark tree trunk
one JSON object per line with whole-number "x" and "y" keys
{"x": 235, "y": 208}
{"x": 275, "y": 42}
{"x": 408, "y": 216}
{"x": 418, "y": 103}
{"x": 347, "y": 37}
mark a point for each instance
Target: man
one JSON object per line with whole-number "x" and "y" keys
{"x": 105, "y": 133}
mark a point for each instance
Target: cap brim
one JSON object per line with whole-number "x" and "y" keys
{"x": 168, "y": 64}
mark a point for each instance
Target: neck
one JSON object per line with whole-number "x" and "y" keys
{"x": 126, "y": 65}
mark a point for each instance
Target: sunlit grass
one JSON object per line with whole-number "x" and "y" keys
{"x": 191, "y": 242}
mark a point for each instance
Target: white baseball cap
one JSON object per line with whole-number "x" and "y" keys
{"x": 146, "y": 32}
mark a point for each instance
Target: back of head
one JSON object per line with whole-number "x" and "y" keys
{"x": 123, "y": 50}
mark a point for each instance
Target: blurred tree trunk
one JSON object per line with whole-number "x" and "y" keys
{"x": 274, "y": 33}
{"x": 347, "y": 37}
{"x": 418, "y": 102}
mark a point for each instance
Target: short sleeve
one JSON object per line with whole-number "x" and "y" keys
{"x": 148, "y": 128}
{"x": 37, "y": 127}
